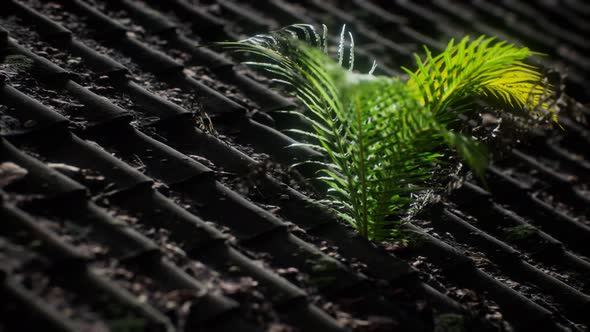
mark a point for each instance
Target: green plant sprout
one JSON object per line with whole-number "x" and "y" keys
{"x": 384, "y": 136}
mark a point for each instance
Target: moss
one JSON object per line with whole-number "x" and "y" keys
{"x": 520, "y": 232}
{"x": 15, "y": 63}
{"x": 323, "y": 265}
{"x": 413, "y": 239}
{"x": 128, "y": 324}
{"x": 120, "y": 318}
{"x": 322, "y": 271}
{"x": 450, "y": 323}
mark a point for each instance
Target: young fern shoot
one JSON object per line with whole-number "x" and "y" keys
{"x": 383, "y": 137}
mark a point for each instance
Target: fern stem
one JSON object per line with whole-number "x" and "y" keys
{"x": 365, "y": 221}
{"x": 348, "y": 173}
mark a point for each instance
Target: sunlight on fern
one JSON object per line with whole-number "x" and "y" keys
{"x": 478, "y": 67}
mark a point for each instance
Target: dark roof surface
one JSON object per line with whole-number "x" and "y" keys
{"x": 145, "y": 187}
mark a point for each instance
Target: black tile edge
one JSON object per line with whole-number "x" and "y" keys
{"x": 150, "y": 58}
{"x": 40, "y": 178}
{"x": 131, "y": 243}
{"x": 193, "y": 232}
{"x": 16, "y": 295}
{"x": 88, "y": 155}
{"x": 46, "y": 27}
{"x": 213, "y": 28}
{"x": 380, "y": 263}
{"x": 209, "y": 306}
{"x": 62, "y": 253}
{"x": 99, "y": 108}
{"x": 158, "y": 157}
{"x": 275, "y": 143}
{"x": 519, "y": 310}
{"x": 574, "y": 301}
{"x": 42, "y": 68}
{"x": 213, "y": 102}
{"x": 191, "y": 140}
{"x": 226, "y": 207}
{"x": 3, "y": 36}
{"x": 94, "y": 283}
{"x": 154, "y": 104}
{"x": 151, "y": 19}
{"x": 100, "y": 63}
{"x": 312, "y": 318}
{"x": 288, "y": 298}
{"x": 109, "y": 27}
{"x": 30, "y": 109}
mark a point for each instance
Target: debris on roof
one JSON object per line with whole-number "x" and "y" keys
{"x": 144, "y": 180}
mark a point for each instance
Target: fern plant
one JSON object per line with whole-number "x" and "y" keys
{"x": 383, "y": 137}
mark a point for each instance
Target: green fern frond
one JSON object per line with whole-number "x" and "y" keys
{"x": 481, "y": 67}
{"x": 382, "y": 136}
